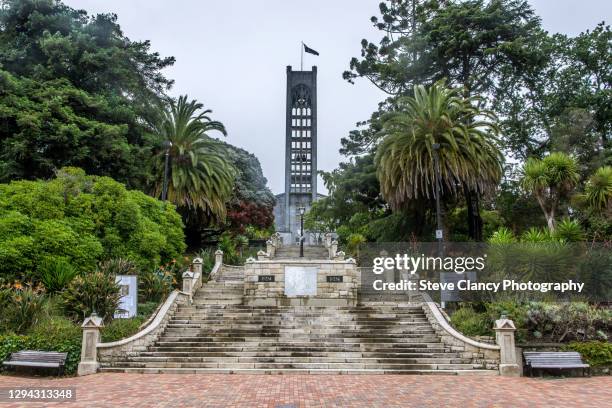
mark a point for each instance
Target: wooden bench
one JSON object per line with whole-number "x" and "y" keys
{"x": 38, "y": 359}
{"x": 554, "y": 360}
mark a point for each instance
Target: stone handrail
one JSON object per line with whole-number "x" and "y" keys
{"x": 214, "y": 273}
{"x": 157, "y": 321}
{"x": 93, "y": 351}
{"x": 441, "y": 320}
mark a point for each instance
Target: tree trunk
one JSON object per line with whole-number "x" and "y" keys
{"x": 474, "y": 219}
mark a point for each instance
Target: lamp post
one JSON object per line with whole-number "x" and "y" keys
{"x": 301, "y": 210}
{"x": 439, "y": 234}
{"x": 167, "y": 145}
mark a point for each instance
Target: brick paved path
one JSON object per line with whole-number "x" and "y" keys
{"x": 385, "y": 391}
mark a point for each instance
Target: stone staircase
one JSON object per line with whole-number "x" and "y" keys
{"x": 310, "y": 252}
{"x": 217, "y": 333}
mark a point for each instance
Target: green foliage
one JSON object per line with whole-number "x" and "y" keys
{"x": 598, "y": 191}
{"x": 208, "y": 259}
{"x": 74, "y": 91}
{"x": 56, "y": 273}
{"x": 257, "y": 233}
{"x": 550, "y": 180}
{"x": 200, "y": 176}
{"x": 569, "y": 231}
{"x": 155, "y": 285}
{"x": 560, "y": 322}
{"x": 471, "y": 323}
{"x": 354, "y": 243}
{"x": 537, "y": 321}
{"x": 515, "y": 311}
{"x": 95, "y": 291}
{"x": 121, "y": 328}
{"x": 252, "y": 202}
{"x": 227, "y": 244}
{"x": 429, "y": 41}
{"x": 502, "y": 236}
{"x": 83, "y": 219}
{"x": 146, "y": 309}
{"x": 118, "y": 266}
{"x": 595, "y": 353}
{"x": 550, "y": 91}
{"x": 467, "y": 147}
{"x": 62, "y": 342}
{"x": 23, "y": 307}
{"x": 536, "y": 235}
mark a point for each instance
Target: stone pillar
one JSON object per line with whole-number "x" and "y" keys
{"x": 89, "y": 351}
{"x": 188, "y": 280}
{"x": 327, "y": 240}
{"x": 504, "y": 337}
{"x": 333, "y": 248}
{"x": 197, "y": 265}
{"x": 218, "y": 256}
{"x": 270, "y": 247}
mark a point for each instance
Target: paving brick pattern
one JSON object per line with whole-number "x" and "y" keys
{"x": 288, "y": 391}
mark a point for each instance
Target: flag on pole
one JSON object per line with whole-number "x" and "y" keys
{"x": 309, "y": 50}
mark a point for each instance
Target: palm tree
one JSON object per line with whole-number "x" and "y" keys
{"x": 200, "y": 177}
{"x": 598, "y": 190}
{"x": 469, "y": 158}
{"x": 550, "y": 180}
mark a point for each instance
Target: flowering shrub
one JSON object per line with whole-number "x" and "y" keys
{"x": 95, "y": 291}
{"x": 23, "y": 306}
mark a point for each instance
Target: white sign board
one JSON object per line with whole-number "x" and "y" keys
{"x": 128, "y": 304}
{"x": 301, "y": 280}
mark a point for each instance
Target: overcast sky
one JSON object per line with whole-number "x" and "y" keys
{"x": 231, "y": 55}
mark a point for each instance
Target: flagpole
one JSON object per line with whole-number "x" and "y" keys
{"x": 302, "y": 57}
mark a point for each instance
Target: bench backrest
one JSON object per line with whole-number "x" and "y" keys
{"x": 561, "y": 358}
{"x": 39, "y": 356}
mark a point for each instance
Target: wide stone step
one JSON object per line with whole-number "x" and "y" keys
{"x": 294, "y": 359}
{"x": 296, "y": 332}
{"x": 204, "y": 310}
{"x": 291, "y": 371}
{"x": 240, "y": 329}
{"x": 284, "y": 344}
{"x": 251, "y": 323}
{"x": 309, "y": 338}
{"x": 291, "y": 354}
{"x": 381, "y": 350}
{"x": 228, "y": 301}
{"x": 293, "y": 365}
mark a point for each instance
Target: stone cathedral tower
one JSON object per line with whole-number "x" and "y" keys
{"x": 300, "y": 153}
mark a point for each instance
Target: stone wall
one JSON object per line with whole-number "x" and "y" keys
{"x": 118, "y": 350}
{"x": 327, "y": 293}
{"x": 483, "y": 355}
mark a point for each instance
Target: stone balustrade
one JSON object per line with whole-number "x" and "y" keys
{"x": 93, "y": 351}
{"x": 501, "y": 356}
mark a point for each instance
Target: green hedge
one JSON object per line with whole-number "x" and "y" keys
{"x": 596, "y": 353}
{"x": 121, "y": 328}
{"x": 10, "y": 343}
{"x": 83, "y": 219}
{"x": 61, "y": 334}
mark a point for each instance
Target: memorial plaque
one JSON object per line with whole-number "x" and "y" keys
{"x": 128, "y": 304}
{"x": 265, "y": 278}
{"x": 335, "y": 278}
{"x": 301, "y": 280}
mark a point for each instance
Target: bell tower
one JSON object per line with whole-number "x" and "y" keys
{"x": 300, "y": 150}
